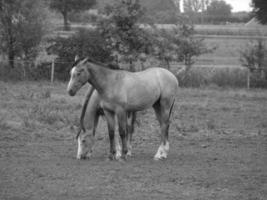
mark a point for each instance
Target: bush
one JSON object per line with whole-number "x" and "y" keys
{"x": 83, "y": 17}
{"x": 24, "y": 71}
{"x": 85, "y": 43}
{"x": 7, "y": 73}
{"x": 220, "y": 76}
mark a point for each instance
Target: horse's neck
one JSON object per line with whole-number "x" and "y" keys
{"x": 99, "y": 77}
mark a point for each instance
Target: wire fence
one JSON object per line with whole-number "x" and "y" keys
{"x": 198, "y": 76}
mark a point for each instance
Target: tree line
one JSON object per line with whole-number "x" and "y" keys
{"x": 118, "y": 37}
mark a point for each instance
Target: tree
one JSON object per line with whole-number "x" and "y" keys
{"x": 84, "y": 43}
{"x": 122, "y": 31}
{"x": 260, "y": 10}
{"x": 66, "y": 6}
{"x": 195, "y": 9}
{"x": 187, "y": 46}
{"x": 192, "y": 6}
{"x": 179, "y": 45}
{"x": 177, "y": 5}
{"x": 23, "y": 25}
{"x": 253, "y": 58}
{"x": 219, "y": 11}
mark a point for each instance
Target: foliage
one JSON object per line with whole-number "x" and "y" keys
{"x": 23, "y": 25}
{"x": 84, "y": 43}
{"x": 88, "y": 16}
{"x": 253, "y": 56}
{"x": 162, "y": 17}
{"x": 180, "y": 45}
{"x": 188, "y": 45}
{"x": 120, "y": 38}
{"x": 162, "y": 11}
{"x": 122, "y": 32}
{"x": 66, "y": 6}
{"x": 219, "y": 11}
{"x": 260, "y": 10}
{"x": 195, "y": 9}
{"x": 192, "y": 6}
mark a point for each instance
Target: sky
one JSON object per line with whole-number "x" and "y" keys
{"x": 240, "y": 5}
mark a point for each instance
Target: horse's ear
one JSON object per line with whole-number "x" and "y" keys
{"x": 76, "y": 58}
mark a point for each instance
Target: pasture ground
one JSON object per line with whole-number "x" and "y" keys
{"x": 218, "y": 148}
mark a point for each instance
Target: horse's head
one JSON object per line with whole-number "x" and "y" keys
{"x": 79, "y": 75}
{"x": 85, "y": 144}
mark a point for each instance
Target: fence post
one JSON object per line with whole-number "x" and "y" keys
{"x": 52, "y": 71}
{"x": 248, "y": 79}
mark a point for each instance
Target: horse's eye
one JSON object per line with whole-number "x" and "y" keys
{"x": 79, "y": 73}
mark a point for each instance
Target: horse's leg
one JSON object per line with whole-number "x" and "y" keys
{"x": 111, "y": 129}
{"x": 122, "y": 123}
{"x": 131, "y": 116}
{"x": 163, "y": 110}
{"x": 117, "y": 144}
{"x": 96, "y": 119}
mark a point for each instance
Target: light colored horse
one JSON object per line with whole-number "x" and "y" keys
{"x": 91, "y": 111}
{"x": 121, "y": 92}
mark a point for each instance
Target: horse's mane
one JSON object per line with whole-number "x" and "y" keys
{"x": 106, "y": 65}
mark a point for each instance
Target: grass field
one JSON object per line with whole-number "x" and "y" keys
{"x": 232, "y": 30}
{"x": 227, "y": 51}
{"x": 218, "y": 148}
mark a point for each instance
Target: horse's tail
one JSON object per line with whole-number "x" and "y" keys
{"x": 85, "y": 103}
{"x": 132, "y": 117}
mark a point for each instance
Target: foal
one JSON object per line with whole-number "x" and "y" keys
{"x": 91, "y": 111}
{"x": 121, "y": 92}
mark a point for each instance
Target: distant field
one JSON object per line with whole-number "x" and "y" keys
{"x": 228, "y": 40}
{"x": 227, "y": 51}
{"x": 217, "y": 137}
{"x": 231, "y": 30}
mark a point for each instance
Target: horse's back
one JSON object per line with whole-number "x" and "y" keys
{"x": 163, "y": 83}
{"x": 139, "y": 90}
{"x": 167, "y": 80}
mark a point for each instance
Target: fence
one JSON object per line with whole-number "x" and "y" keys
{"x": 27, "y": 70}
{"x": 198, "y": 76}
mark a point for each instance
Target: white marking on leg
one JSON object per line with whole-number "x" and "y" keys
{"x": 117, "y": 147}
{"x": 162, "y": 151}
{"x": 79, "y": 151}
{"x": 129, "y": 153}
{"x": 159, "y": 153}
{"x": 167, "y": 147}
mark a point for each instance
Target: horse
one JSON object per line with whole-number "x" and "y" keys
{"x": 91, "y": 111}
{"x": 122, "y": 91}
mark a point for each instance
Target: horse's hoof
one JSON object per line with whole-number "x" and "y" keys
{"x": 129, "y": 153}
{"x": 159, "y": 158}
{"x": 118, "y": 156}
{"x": 124, "y": 157}
{"x": 111, "y": 157}
{"x": 156, "y": 158}
{"x": 121, "y": 160}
